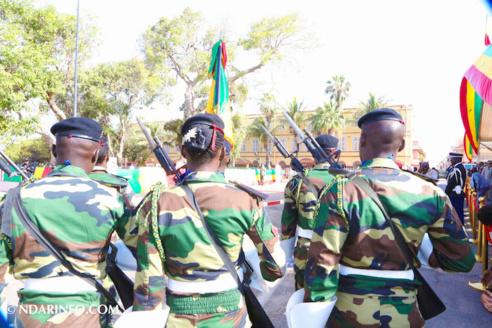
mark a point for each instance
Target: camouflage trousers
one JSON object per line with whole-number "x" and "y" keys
{"x": 232, "y": 319}
{"x": 46, "y": 309}
{"x": 393, "y": 307}
{"x": 300, "y": 258}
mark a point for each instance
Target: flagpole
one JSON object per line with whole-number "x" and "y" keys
{"x": 76, "y": 63}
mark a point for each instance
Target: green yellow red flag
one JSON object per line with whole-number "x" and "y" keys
{"x": 218, "y": 100}
{"x": 468, "y": 148}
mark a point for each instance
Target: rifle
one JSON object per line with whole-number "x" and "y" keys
{"x": 294, "y": 162}
{"x": 312, "y": 145}
{"x": 160, "y": 152}
{"x": 6, "y": 168}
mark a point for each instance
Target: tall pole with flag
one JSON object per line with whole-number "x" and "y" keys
{"x": 218, "y": 100}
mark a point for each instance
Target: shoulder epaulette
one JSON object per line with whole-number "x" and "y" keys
{"x": 423, "y": 177}
{"x": 250, "y": 190}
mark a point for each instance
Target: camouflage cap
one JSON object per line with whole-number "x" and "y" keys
{"x": 78, "y": 127}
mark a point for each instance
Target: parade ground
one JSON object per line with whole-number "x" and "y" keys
{"x": 464, "y": 308}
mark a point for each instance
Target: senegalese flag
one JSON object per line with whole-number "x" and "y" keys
{"x": 218, "y": 100}
{"x": 468, "y": 148}
{"x": 471, "y": 110}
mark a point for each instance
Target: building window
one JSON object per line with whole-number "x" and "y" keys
{"x": 283, "y": 141}
{"x": 355, "y": 143}
{"x": 281, "y": 126}
{"x": 168, "y": 148}
{"x": 270, "y": 146}
{"x": 293, "y": 145}
{"x": 244, "y": 147}
{"x": 255, "y": 146}
{"x": 343, "y": 144}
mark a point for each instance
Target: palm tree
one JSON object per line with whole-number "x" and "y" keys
{"x": 299, "y": 116}
{"x": 256, "y": 131}
{"x": 268, "y": 108}
{"x": 365, "y": 107}
{"x": 240, "y": 126}
{"x": 327, "y": 119}
{"x": 338, "y": 90}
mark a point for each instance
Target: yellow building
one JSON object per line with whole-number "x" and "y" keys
{"x": 253, "y": 153}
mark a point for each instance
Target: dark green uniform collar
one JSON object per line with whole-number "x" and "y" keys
{"x": 380, "y": 162}
{"x": 202, "y": 176}
{"x": 71, "y": 170}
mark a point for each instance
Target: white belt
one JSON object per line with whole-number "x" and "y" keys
{"x": 305, "y": 233}
{"x": 389, "y": 274}
{"x": 223, "y": 283}
{"x": 63, "y": 284}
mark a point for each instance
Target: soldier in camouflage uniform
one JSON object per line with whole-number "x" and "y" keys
{"x": 101, "y": 175}
{"x": 299, "y": 205}
{"x": 353, "y": 253}
{"x": 76, "y": 214}
{"x": 201, "y": 291}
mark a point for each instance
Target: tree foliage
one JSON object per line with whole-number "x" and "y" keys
{"x": 182, "y": 45}
{"x": 240, "y": 127}
{"x": 296, "y": 112}
{"x": 327, "y": 119}
{"x": 36, "y": 59}
{"x": 363, "y": 108}
{"x": 111, "y": 92}
{"x": 37, "y": 150}
{"x": 338, "y": 90}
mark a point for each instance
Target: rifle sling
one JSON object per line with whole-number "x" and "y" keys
{"x": 309, "y": 184}
{"x": 213, "y": 238}
{"x": 54, "y": 250}
{"x": 405, "y": 249}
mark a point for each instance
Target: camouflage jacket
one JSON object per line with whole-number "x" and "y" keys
{"x": 76, "y": 214}
{"x": 351, "y": 230}
{"x": 300, "y": 202}
{"x": 186, "y": 249}
{"x": 101, "y": 175}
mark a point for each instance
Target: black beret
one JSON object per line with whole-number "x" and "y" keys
{"x": 228, "y": 147}
{"x": 26, "y": 159}
{"x": 327, "y": 141}
{"x": 104, "y": 142}
{"x": 455, "y": 155}
{"x": 78, "y": 127}
{"x": 382, "y": 114}
{"x": 207, "y": 119}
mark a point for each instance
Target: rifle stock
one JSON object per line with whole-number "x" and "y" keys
{"x": 294, "y": 162}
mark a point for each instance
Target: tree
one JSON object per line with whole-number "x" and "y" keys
{"x": 136, "y": 148}
{"x": 37, "y": 56}
{"x": 338, "y": 90}
{"x": 327, "y": 119}
{"x": 299, "y": 116}
{"x": 37, "y": 150}
{"x": 110, "y": 93}
{"x": 240, "y": 127}
{"x": 182, "y": 45}
{"x": 365, "y": 107}
{"x": 173, "y": 128}
{"x": 268, "y": 109}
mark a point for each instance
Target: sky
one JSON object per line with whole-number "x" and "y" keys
{"x": 410, "y": 52}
